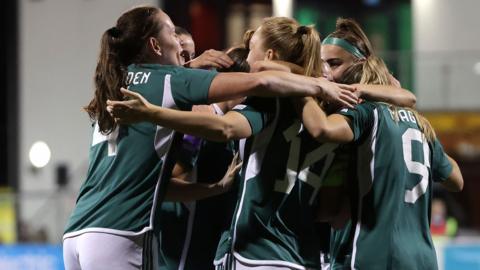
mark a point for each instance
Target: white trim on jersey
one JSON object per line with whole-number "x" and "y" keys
{"x": 106, "y": 230}
{"x": 111, "y": 138}
{"x": 254, "y": 165}
{"x": 220, "y": 262}
{"x": 270, "y": 263}
{"x": 373, "y": 142}
{"x": 217, "y": 109}
{"x": 255, "y": 160}
{"x": 161, "y": 136}
{"x": 188, "y": 236}
{"x": 162, "y": 142}
{"x": 191, "y": 206}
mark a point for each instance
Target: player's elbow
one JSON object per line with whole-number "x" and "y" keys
{"x": 411, "y": 100}
{"x": 454, "y": 183}
{"x": 457, "y": 185}
{"x": 320, "y": 133}
{"x": 223, "y": 132}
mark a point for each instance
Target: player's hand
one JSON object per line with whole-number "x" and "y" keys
{"x": 203, "y": 109}
{"x": 211, "y": 59}
{"x": 394, "y": 81}
{"x": 341, "y": 94}
{"x": 135, "y": 109}
{"x": 227, "y": 181}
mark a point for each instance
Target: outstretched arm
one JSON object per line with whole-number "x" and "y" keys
{"x": 226, "y": 86}
{"x": 183, "y": 191}
{"x": 390, "y": 94}
{"x": 454, "y": 182}
{"x": 332, "y": 128}
{"x": 230, "y": 126}
{"x": 210, "y": 59}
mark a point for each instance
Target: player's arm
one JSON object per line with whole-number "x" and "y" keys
{"x": 332, "y": 128}
{"x": 230, "y": 126}
{"x": 385, "y": 93}
{"x": 180, "y": 190}
{"x": 181, "y": 171}
{"x": 210, "y": 59}
{"x": 454, "y": 182}
{"x": 278, "y": 83}
{"x": 278, "y": 65}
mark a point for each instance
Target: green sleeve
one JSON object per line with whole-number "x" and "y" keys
{"x": 190, "y": 86}
{"x": 441, "y": 166}
{"x": 361, "y": 118}
{"x": 258, "y": 111}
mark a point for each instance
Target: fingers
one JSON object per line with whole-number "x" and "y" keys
{"x": 235, "y": 162}
{"x": 221, "y": 58}
{"x": 128, "y": 93}
{"x": 117, "y": 104}
{"x": 238, "y": 167}
{"x": 350, "y": 88}
{"x": 346, "y": 103}
{"x": 212, "y": 58}
{"x": 350, "y": 96}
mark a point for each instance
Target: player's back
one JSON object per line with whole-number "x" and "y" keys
{"x": 394, "y": 174}
{"x": 271, "y": 226}
{"x": 122, "y": 181}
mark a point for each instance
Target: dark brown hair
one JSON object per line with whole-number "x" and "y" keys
{"x": 120, "y": 46}
{"x": 350, "y": 30}
{"x": 239, "y": 56}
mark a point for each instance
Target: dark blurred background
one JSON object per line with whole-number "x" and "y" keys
{"x": 48, "y": 54}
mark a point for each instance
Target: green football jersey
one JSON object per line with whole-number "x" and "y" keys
{"x": 120, "y": 194}
{"x": 273, "y": 223}
{"x": 191, "y": 231}
{"x": 395, "y": 168}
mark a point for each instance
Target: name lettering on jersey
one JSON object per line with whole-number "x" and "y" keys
{"x": 403, "y": 115}
{"x": 406, "y": 116}
{"x": 138, "y": 77}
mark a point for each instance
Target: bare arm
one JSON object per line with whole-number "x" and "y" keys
{"x": 226, "y": 86}
{"x": 180, "y": 190}
{"x": 212, "y": 127}
{"x": 276, "y": 65}
{"x": 232, "y": 125}
{"x": 210, "y": 59}
{"x": 390, "y": 94}
{"x": 332, "y": 128}
{"x": 454, "y": 182}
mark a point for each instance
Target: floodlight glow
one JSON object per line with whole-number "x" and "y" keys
{"x": 476, "y": 68}
{"x": 39, "y": 154}
{"x": 283, "y": 8}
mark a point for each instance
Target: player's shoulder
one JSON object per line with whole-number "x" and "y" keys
{"x": 364, "y": 107}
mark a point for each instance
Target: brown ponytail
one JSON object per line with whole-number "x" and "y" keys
{"x": 350, "y": 30}
{"x": 120, "y": 46}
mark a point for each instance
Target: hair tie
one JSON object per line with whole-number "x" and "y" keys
{"x": 114, "y": 32}
{"x": 344, "y": 45}
{"x": 302, "y": 30}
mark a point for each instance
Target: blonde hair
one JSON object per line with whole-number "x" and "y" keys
{"x": 294, "y": 43}
{"x": 369, "y": 71}
{"x": 374, "y": 71}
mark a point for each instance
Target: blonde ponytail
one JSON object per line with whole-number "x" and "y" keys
{"x": 293, "y": 43}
